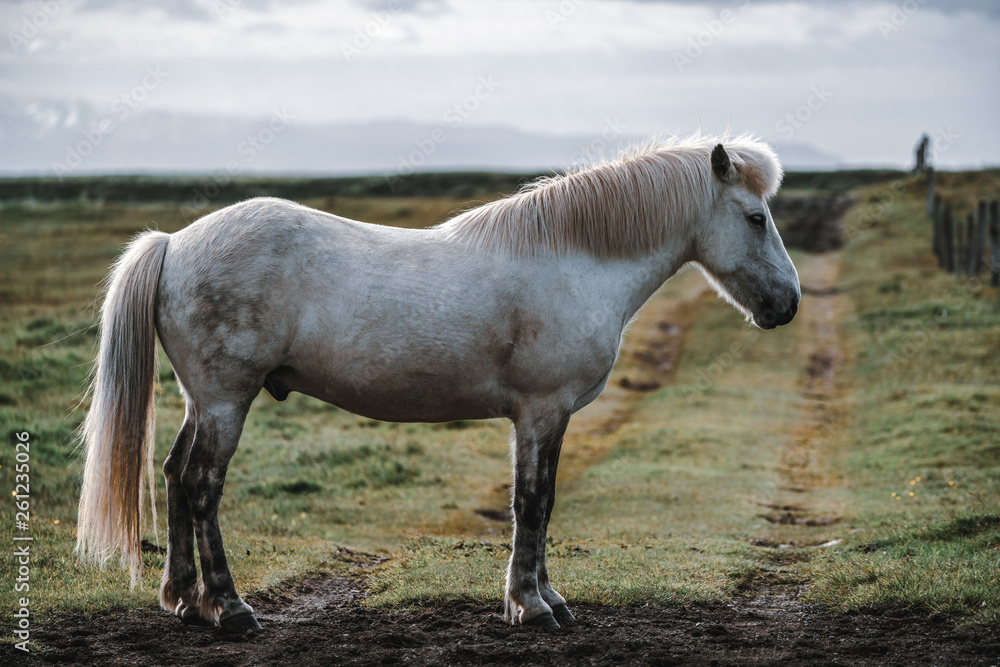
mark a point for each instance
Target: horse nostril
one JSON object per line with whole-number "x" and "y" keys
{"x": 789, "y": 314}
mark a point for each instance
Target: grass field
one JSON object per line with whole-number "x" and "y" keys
{"x": 854, "y": 454}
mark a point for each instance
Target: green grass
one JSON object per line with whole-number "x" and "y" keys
{"x": 924, "y": 465}
{"x": 629, "y": 570}
{"x": 941, "y": 565}
{"x": 186, "y": 190}
{"x": 668, "y": 515}
{"x": 837, "y": 182}
{"x": 130, "y": 189}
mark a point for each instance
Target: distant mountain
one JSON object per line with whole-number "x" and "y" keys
{"x": 805, "y": 157}
{"x": 73, "y": 138}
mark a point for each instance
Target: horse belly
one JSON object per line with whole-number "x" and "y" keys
{"x": 406, "y": 393}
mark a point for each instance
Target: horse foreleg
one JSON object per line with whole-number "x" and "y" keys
{"x": 535, "y": 440}
{"x": 203, "y": 479}
{"x": 179, "y": 588}
{"x": 560, "y": 611}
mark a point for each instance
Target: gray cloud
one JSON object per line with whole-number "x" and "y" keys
{"x": 600, "y": 64}
{"x": 985, "y": 7}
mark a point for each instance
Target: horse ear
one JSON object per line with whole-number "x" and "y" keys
{"x": 721, "y": 164}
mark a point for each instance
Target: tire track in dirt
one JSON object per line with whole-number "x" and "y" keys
{"x": 803, "y": 506}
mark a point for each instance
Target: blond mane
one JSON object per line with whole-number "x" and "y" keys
{"x": 621, "y": 208}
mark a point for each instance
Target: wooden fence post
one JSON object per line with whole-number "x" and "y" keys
{"x": 995, "y": 243}
{"x": 922, "y": 147}
{"x": 971, "y": 262}
{"x": 938, "y": 225}
{"x": 931, "y": 189}
{"x": 982, "y": 247}
{"x": 948, "y": 238}
{"x": 959, "y": 265}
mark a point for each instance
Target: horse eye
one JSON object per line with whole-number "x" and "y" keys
{"x": 757, "y": 219}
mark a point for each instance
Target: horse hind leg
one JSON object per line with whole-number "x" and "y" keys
{"x": 216, "y": 436}
{"x": 535, "y": 440}
{"x": 179, "y": 592}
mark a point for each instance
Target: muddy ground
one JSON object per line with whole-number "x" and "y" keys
{"x": 325, "y": 624}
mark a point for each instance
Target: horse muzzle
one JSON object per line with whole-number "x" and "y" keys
{"x": 770, "y": 317}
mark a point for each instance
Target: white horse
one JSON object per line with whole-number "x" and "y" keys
{"x": 515, "y": 309}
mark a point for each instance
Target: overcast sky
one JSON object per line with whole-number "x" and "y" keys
{"x": 861, "y": 80}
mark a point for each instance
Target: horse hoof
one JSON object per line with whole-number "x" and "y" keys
{"x": 189, "y": 616}
{"x": 563, "y": 615}
{"x": 544, "y": 621}
{"x": 194, "y": 620}
{"x": 241, "y": 624}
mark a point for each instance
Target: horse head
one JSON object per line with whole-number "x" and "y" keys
{"x": 738, "y": 246}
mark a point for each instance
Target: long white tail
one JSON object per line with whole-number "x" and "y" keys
{"x": 118, "y": 432}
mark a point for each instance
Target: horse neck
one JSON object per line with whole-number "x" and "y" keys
{"x": 660, "y": 267}
{"x": 630, "y": 282}
{"x": 646, "y": 271}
